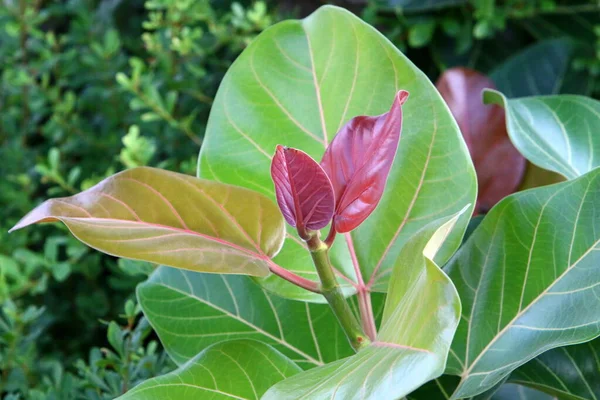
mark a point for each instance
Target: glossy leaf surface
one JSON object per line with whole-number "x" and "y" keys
{"x": 554, "y": 132}
{"x": 528, "y": 281}
{"x": 303, "y": 191}
{"x": 236, "y": 369}
{"x": 293, "y": 86}
{"x": 419, "y": 320}
{"x": 190, "y": 311}
{"x": 173, "y": 219}
{"x": 499, "y": 166}
{"x": 358, "y": 162}
{"x": 570, "y": 372}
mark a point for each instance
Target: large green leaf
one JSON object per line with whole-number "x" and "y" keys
{"x": 542, "y": 69}
{"x": 554, "y": 132}
{"x": 235, "y": 369}
{"x": 571, "y": 372}
{"x": 296, "y": 85}
{"x": 419, "y": 320}
{"x": 528, "y": 280}
{"x": 173, "y": 219}
{"x": 511, "y": 391}
{"x": 190, "y": 311}
{"x": 442, "y": 388}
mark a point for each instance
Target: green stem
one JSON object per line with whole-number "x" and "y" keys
{"x": 330, "y": 288}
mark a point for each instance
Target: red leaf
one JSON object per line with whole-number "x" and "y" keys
{"x": 499, "y": 165}
{"x": 358, "y": 162}
{"x": 304, "y": 192}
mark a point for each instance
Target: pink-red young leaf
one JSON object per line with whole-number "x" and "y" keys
{"x": 499, "y": 165}
{"x": 172, "y": 219}
{"x": 303, "y": 190}
{"x": 358, "y": 162}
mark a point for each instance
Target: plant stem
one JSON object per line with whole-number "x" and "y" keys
{"x": 330, "y": 288}
{"x": 363, "y": 294}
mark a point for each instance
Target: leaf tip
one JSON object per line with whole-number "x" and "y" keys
{"x": 401, "y": 97}
{"x": 491, "y": 96}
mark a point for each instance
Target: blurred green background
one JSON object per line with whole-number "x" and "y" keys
{"x": 89, "y": 88}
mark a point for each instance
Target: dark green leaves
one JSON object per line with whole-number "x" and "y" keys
{"x": 528, "y": 281}
{"x": 237, "y": 369}
{"x": 520, "y": 75}
{"x": 173, "y": 219}
{"x": 571, "y": 372}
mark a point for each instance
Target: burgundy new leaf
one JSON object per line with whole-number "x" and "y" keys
{"x": 358, "y": 163}
{"x": 303, "y": 190}
{"x": 499, "y": 165}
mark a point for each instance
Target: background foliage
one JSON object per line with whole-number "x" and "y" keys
{"x": 88, "y": 88}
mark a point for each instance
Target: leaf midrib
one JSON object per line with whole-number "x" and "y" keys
{"x": 260, "y": 256}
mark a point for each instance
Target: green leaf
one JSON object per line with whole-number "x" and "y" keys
{"x": 444, "y": 386}
{"x": 420, "y": 34}
{"x": 115, "y": 337}
{"x": 190, "y": 311}
{"x": 419, "y": 320}
{"x": 553, "y": 132}
{"x": 541, "y": 69}
{"x": 163, "y": 217}
{"x": 528, "y": 281}
{"x": 235, "y": 369}
{"x": 571, "y": 372}
{"x": 293, "y": 86}
{"x": 511, "y": 391}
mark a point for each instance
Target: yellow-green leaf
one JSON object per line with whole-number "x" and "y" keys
{"x": 172, "y": 219}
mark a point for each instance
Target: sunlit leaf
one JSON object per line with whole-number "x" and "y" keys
{"x": 235, "y": 369}
{"x": 554, "y": 132}
{"x": 528, "y": 280}
{"x": 419, "y": 320}
{"x": 172, "y": 219}
{"x": 297, "y": 84}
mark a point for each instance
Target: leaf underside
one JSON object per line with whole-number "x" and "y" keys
{"x": 172, "y": 219}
